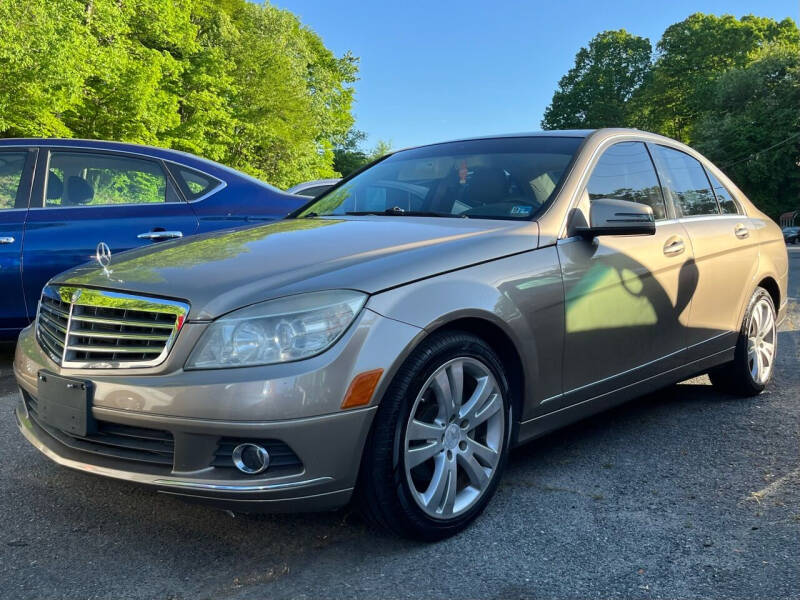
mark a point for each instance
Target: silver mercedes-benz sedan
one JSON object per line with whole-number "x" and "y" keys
{"x": 394, "y": 338}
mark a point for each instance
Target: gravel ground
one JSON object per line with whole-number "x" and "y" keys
{"x": 685, "y": 493}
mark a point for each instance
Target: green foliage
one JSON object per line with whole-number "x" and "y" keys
{"x": 349, "y": 156}
{"x": 692, "y": 56}
{"x": 752, "y": 108}
{"x": 237, "y": 82}
{"x": 595, "y": 92}
{"x": 727, "y": 86}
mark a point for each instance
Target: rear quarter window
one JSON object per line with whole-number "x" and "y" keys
{"x": 196, "y": 184}
{"x": 727, "y": 204}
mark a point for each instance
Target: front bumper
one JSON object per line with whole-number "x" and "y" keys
{"x": 169, "y": 430}
{"x": 330, "y": 450}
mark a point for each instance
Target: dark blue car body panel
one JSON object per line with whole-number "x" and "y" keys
{"x": 48, "y": 240}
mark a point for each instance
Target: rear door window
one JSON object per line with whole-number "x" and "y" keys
{"x": 97, "y": 179}
{"x": 12, "y": 165}
{"x": 686, "y": 180}
{"x": 625, "y": 172}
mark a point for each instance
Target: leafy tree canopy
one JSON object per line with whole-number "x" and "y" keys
{"x": 728, "y": 86}
{"x": 595, "y": 92}
{"x": 237, "y": 82}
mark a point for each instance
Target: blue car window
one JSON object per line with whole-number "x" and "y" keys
{"x": 197, "y": 184}
{"x": 11, "y": 167}
{"x": 89, "y": 179}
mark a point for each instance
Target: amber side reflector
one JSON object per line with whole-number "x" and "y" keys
{"x": 361, "y": 388}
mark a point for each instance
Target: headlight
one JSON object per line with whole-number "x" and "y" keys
{"x": 277, "y": 331}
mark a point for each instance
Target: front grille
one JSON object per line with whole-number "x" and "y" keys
{"x": 85, "y": 328}
{"x": 113, "y": 440}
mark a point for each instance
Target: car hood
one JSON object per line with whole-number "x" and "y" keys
{"x": 225, "y": 270}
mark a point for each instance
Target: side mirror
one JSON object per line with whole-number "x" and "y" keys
{"x": 618, "y": 217}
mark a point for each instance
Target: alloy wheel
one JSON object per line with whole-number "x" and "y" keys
{"x": 761, "y": 334}
{"x": 454, "y": 437}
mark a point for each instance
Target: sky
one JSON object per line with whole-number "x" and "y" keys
{"x": 443, "y": 69}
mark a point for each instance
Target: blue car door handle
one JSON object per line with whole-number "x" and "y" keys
{"x": 160, "y": 235}
{"x": 6, "y": 240}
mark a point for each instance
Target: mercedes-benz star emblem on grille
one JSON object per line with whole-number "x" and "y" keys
{"x": 75, "y": 295}
{"x": 103, "y": 254}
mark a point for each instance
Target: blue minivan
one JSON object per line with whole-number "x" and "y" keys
{"x": 60, "y": 198}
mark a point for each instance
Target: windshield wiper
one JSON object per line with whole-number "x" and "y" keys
{"x": 396, "y": 211}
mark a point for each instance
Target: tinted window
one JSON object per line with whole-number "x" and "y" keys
{"x": 11, "y": 166}
{"x": 501, "y": 178}
{"x": 686, "y": 179}
{"x": 625, "y": 172}
{"x": 197, "y": 183}
{"x": 84, "y": 178}
{"x": 725, "y": 199}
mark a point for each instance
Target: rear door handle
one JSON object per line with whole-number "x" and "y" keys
{"x": 741, "y": 231}
{"x": 160, "y": 235}
{"x": 674, "y": 246}
{"x": 6, "y": 240}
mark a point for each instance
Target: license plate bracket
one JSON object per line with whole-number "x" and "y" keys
{"x": 65, "y": 403}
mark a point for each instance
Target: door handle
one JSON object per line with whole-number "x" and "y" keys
{"x": 6, "y": 240}
{"x": 741, "y": 231}
{"x": 160, "y": 235}
{"x": 674, "y": 246}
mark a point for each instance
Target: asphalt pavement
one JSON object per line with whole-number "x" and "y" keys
{"x": 686, "y": 493}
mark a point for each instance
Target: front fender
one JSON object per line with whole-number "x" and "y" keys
{"x": 522, "y": 295}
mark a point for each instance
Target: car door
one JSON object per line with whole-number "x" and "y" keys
{"x": 626, "y": 298}
{"x": 16, "y": 167}
{"x": 84, "y": 197}
{"x": 725, "y": 253}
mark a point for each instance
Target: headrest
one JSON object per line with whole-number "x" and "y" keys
{"x": 55, "y": 187}
{"x": 79, "y": 191}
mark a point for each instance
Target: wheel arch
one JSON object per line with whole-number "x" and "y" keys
{"x": 503, "y": 344}
{"x": 771, "y": 285}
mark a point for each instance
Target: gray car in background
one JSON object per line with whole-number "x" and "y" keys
{"x": 393, "y": 339}
{"x": 313, "y": 189}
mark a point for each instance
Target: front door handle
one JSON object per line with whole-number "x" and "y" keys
{"x": 6, "y": 240}
{"x": 674, "y": 246}
{"x": 160, "y": 235}
{"x": 741, "y": 231}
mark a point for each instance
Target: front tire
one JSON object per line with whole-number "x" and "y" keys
{"x": 754, "y": 358}
{"x": 440, "y": 439}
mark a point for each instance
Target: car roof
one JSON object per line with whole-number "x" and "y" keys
{"x": 574, "y": 133}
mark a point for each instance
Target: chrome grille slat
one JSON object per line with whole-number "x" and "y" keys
{"x": 88, "y": 328}
{"x": 52, "y": 323}
{"x": 56, "y": 312}
{"x": 52, "y": 334}
{"x": 120, "y": 322}
{"x": 150, "y": 337}
{"x": 115, "y": 349}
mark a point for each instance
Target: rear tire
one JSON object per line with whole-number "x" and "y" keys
{"x": 754, "y": 358}
{"x": 440, "y": 440}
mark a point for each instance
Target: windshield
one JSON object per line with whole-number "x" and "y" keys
{"x": 499, "y": 178}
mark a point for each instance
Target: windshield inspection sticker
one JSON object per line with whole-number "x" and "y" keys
{"x": 520, "y": 211}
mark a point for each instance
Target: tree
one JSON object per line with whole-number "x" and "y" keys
{"x": 596, "y": 90}
{"x": 238, "y": 82}
{"x": 692, "y": 55}
{"x": 753, "y": 108}
{"x": 351, "y": 156}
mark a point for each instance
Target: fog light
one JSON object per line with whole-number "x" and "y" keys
{"x": 250, "y": 458}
